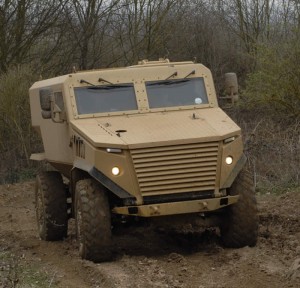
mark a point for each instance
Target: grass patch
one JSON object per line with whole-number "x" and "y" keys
{"x": 16, "y": 272}
{"x": 16, "y": 176}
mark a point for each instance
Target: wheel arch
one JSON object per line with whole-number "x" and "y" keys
{"x": 81, "y": 170}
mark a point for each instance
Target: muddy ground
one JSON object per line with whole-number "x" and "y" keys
{"x": 148, "y": 257}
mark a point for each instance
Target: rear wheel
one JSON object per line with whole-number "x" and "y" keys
{"x": 51, "y": 206}
{"x": 239, "y": 226}
{"x": 93, "y": 221}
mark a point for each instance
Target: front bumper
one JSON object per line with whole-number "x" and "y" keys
{"x": 183, "y": 207}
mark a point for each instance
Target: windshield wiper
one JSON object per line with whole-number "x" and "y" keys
{"x": 104, "y": 87}
{"x": 86, "y": 82}
{"x": 103, "y": 80}
{"x": 108, "y": 87}
{"x": 174, "y": 74}
{"x": 191, "y": 73}
{"x": 168, "y": 82}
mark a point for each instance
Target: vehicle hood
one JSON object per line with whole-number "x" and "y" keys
{"x": 157, "y": 129}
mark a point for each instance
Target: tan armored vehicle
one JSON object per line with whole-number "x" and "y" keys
{"x": 144, "y": 141}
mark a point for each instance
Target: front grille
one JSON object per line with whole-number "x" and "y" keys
{"x": 176, "y": 169}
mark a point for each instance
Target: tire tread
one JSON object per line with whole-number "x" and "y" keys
{"x": 96, "y": 220}
{"x": 55, "y": 224}
{"x": 240, "y": 225}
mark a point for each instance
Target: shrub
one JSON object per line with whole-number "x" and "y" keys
{"x": 272, "y": 147}
{"x": 17, "y": 138}
{"x": 275, "y": 82}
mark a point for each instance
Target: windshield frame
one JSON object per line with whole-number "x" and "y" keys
{"x": 178, "y": 107}
{"x": 104, "y": 86}
{"x": 141, "y": 97}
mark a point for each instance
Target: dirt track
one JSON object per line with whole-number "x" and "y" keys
{"x": 146, "y": 257}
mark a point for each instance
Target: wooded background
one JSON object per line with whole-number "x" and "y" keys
{"x": 257, "y": 39}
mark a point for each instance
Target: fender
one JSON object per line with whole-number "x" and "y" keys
{"x": 236, "y": 170}
{"x": 127, "y": 198}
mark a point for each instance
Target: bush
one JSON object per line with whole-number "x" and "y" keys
{"x": 17, "y": 138}
{"x": 275, "y": 82}
{"x": 272, "y": 147}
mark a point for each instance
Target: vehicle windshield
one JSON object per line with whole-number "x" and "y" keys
{"x": 105, "y": 99}
{"x": 179, "y": 92}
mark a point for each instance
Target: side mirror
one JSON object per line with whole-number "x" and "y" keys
{"x": 52, "y": 105}
{"x": 45, "y": 102}
{"x": 231, "y": 87}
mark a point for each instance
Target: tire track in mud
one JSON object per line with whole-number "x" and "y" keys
{"x": 149, "y": 257}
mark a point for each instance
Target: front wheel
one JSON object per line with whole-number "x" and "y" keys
{"x": 51, "y": 206}
{"x": 93, "y": 221}
{"x": 239, "y": 226}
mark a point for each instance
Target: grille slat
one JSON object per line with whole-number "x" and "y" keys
{"x": 177, "y": 156}
{"x": 209, "y": 150}
{"x": 176, "y": 186}
{"x": 178, "y": 190}
{"x": 171, "y": 148}
{"x": 205, "y": 161}
{"x": 176, "y": 169}
{"x": 174, "y": 181}
{"x": 175, "y": 176}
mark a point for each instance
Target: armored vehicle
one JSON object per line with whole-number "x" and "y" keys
{"x": 142, "y": 141}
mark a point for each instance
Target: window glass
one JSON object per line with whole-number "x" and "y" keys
{"x": 173, "y": 93}
{"x": 105, "y": 99}
{"x": 59, "y": 101}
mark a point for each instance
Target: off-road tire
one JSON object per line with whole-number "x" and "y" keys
{"x": 51, "y": 206}
{"x": 239, "y": 226}
{"x": 93, "y": 221}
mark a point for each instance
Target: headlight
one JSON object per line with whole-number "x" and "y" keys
{"x": 229, "y": 160}
{"x": 113, "y": 150}
{"x": 115, "y": 171}
{"x": 230, "y": 139}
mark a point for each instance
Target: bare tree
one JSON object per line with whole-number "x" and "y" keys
{"x": 87, "y": 22}
{"x": 141, "y": 28}
{"x": 250, "y": 20}
{"x": 22, "y": 24}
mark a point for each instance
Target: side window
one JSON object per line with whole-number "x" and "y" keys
{"x": 59, "y": 100}
{"x": 52, "y": 105}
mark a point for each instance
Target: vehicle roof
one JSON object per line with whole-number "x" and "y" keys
{"x": 142, "y": 64}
